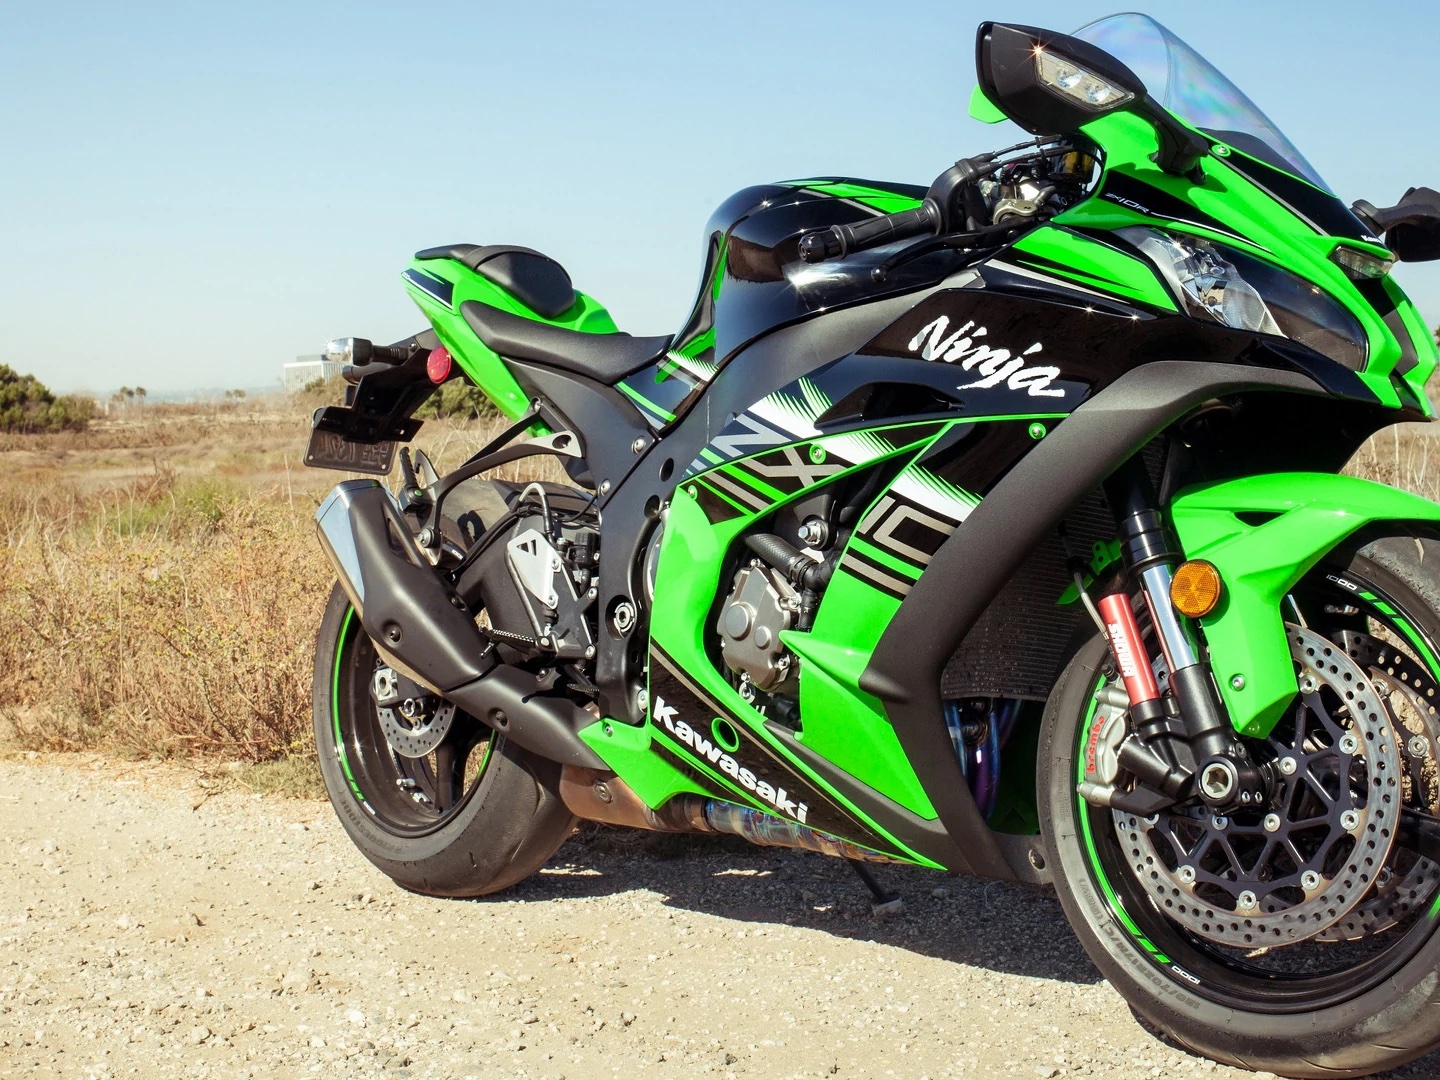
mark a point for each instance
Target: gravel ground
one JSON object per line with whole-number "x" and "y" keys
{"x": 149, "y": 926}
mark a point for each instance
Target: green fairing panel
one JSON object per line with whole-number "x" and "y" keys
{"x": 1260, "y": 563}
{"x": 482, "y": 365}
{"x": 628, "y": 750}
{"x": 1096, "y": 266}
{"x": 842, "y": 724}
{"x": 985, "y": 110}
{"x": 1262, "y": 227}
{"x": 1427, "y": 354}
{"x": 887, "y": 202}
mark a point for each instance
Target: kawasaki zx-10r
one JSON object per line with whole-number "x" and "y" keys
{"x": 995, "y": 527}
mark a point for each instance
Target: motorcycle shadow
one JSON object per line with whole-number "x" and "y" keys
{"x": 1000, "y": 926}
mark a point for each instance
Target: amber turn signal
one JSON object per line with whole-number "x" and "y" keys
{"x": 1195, "y": 589}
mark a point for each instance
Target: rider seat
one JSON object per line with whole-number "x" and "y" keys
{"x": 542, "y": 285}
{"x": 606, "y": 358}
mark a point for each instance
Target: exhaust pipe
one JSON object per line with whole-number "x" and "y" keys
{"x": 600, "y": 795}
{"x": 423, "y": 629}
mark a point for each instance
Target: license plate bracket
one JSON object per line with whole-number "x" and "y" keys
{"x": 346, "y": 441}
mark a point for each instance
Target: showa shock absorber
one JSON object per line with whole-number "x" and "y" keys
{"x": 1109, "y": 747}
{"x": 1129, "y": 651}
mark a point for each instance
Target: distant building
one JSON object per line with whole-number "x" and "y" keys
{"x": 306, "y": 369}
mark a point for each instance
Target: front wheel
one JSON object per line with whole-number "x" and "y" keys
{"x": 429, "y": 794}
{"x": 1296, "y": 937}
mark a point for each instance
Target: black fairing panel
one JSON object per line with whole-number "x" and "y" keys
{"x": 607, "y": 424}
{"x": 765, "y": 284}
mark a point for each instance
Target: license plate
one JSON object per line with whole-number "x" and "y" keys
{"x": 332, "y": 450}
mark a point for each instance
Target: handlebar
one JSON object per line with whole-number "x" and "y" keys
{"x": 840, "y": 240}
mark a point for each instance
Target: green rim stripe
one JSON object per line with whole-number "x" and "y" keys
{"x": 1114, "y": 901}
{"x": 335, "y": 703}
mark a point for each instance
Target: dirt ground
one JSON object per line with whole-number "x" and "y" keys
{"x": 152, "y": 925}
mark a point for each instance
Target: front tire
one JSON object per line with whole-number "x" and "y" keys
{"x": 1316, "y": 1021}
{"x": 476, "y": 816}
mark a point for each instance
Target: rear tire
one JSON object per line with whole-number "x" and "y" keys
{"x": 506, "y": 825}
{"x": 1384, "y": 1023}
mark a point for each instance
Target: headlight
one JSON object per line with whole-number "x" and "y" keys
{"x": 1236, "y": 290}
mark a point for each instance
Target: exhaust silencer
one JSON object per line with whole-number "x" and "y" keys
{"x": 423, "y": 629}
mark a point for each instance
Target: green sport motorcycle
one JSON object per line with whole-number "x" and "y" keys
{"x": 995, "y": 527}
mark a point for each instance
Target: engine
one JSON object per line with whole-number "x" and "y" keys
{"x": 776, "y": 588}
{"x": 761, "y": 604}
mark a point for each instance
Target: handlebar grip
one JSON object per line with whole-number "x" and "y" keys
{"x": 839, "y": 240}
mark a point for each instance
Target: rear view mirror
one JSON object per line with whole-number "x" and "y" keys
{"x": 1411, "y": 226}
{"x": 1048, "y": 83}
{"x": 1053, "y": 84}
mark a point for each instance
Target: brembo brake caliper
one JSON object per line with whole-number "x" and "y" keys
{"x": 1179, "y": 744}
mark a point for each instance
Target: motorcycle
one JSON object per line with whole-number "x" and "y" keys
{"x": 996, "y": 527}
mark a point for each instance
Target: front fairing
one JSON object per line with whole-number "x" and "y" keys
{"x": 1235, "y": 200}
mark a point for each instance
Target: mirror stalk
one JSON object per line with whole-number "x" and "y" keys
{"x": 1181, "y": 148}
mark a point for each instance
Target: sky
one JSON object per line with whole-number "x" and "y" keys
{"x": 192, "y": 194}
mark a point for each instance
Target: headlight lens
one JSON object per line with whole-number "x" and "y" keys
{"x": 1236, "y": 290}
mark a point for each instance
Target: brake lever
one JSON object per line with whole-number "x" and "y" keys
{"x": 929, "y": 245}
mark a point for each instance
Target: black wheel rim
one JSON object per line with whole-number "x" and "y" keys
{"x": 405, "y": 796}
{"x": 1301, "y": 977}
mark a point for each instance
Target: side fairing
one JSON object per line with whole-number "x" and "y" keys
{"x": 754, "y": 282}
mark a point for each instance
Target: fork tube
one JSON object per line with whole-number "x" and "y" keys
{"x": 1148, "y": 555}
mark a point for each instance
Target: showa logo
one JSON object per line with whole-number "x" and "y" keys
{"x": 994, "y": 366}
{"x": 716, "y": 756}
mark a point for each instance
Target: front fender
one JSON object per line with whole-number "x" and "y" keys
{"x": 1293, "y": 520}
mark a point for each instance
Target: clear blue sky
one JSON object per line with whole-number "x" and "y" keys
{"x": 193, "y": 193}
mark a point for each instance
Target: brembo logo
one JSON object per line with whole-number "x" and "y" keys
{"x": 994, "y": 366}
{"x": 715, "y": 755}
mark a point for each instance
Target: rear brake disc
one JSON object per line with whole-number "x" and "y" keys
{"x": 414, "y": 725}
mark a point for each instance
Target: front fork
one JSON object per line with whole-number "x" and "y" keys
{"x": 1180, "y": 742}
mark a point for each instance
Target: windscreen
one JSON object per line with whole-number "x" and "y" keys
{"x": 1186, "y": 84}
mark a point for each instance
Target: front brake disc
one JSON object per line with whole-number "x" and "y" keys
{"x": 1410, "y": 693}
{"x": 1293, "y": 869}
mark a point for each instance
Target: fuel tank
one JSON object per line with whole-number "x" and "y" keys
{"x": 754, "y": 280}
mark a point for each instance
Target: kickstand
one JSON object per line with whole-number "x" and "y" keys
{"x": 882, "y": 902}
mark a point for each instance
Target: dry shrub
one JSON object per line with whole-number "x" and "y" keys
{"x": 178, "y": 616}
{"x": 173, "y": 611}
{"x": 1400, "y": 456}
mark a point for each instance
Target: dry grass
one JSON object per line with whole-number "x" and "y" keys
{"x": 1404, "y": 456}
{"x": 160, "y": 583}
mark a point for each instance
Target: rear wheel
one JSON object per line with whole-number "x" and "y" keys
{"x": 1299, "y": 936}
{"x": 432, "y": 796}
